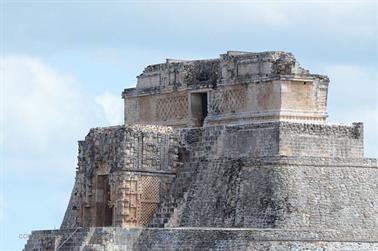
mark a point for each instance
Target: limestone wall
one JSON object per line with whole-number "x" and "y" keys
{"x": 119, "y": 165}
{"x": 268, "y": 186}
{"x": 164, "y": 109}
{"x": 250, "y": 166}
{"x": 275, "y": 138}
{"x": 312, "y": 194}
{"x": 236, "y": 103}
{"x": 122, "y": 174}
{"x": 147, "y": 148}
{"x": 238, "y": 176}
{"x": 156, "y": 239}
{"x": 341, "y": 141}
{"x": 240, "y": 88}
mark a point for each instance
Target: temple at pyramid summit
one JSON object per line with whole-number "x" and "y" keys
{"x": 231, "y": 153}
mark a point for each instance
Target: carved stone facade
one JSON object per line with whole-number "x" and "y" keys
{"x": 246, "y": 163}
{"x": 238, "y": 87}
{"x": 122, "y": 175}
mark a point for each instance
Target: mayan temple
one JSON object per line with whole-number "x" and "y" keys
{"x": 232, "y": 153}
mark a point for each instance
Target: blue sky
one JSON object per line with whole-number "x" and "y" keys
{"x": 65, "y": 63}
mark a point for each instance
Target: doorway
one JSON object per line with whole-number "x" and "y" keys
{"x": 198, "y": 107}
{"x": 104, "y": 213}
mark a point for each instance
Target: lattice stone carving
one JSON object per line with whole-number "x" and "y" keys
{"x": 150, "y": 198}
{"x": 136, "y": 199}
{"x": 230, "y": 100}
{"x": 150, "y": 189}
{"x": 147, "y": 212}
{"x": 175, "y": 107}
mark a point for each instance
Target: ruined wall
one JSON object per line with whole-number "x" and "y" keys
{"x": 161, "y": 109}
{"x": 268, "y": 186}
{"x": 268, "y": 101}
{"x": 203, "y": 239}
{"x": 299, "y": 94}
{"x": 242, "y": 179}
{"x": 309, "y": 193}
{"x": 338, "y": 141}
{"x": 240, "y": 88}
{"x": 243, "y": 102}
{"x": 147, "y": 165}
{"x": 123, "y": 172}
{"x": 236, "y": 103}
{"x": 274, "y": 138}
{"x": 238, "y": 176}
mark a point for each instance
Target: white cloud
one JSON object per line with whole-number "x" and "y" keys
{"x": 326, "y": 14}
{"x": 346, "y": 19}
{"x": 296, "y": 24}
{"x": 112, "y": 107}
{"x": 42, "y": 107}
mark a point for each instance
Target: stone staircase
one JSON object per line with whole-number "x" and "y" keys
{"x": 192, "y": 154}
{"x": 93, "y": 247}
{"x": 58, "y": 240}
{"x": 76, "y": 240}
{"x": 167, "y": 213}
{"x": 46, "y": 239}
{"x": 171, "y": 202}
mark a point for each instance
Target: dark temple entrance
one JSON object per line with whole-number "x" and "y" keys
{"x": 198, "y": 107}
{"x": 104, "y": 213}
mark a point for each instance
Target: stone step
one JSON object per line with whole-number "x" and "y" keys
{"x": 73, "y": 241}
{"x": 180, "y": 186}
{"x": 94, "y": 247}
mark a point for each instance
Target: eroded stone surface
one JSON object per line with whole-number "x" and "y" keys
{"x": 111, "y": 238}
{"x": 122, "y": 174}
{"x": 224, "y": 154}
{"x": 239, "y": 87}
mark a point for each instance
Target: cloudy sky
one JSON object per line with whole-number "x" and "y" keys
{"x": 65, "y": 63}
